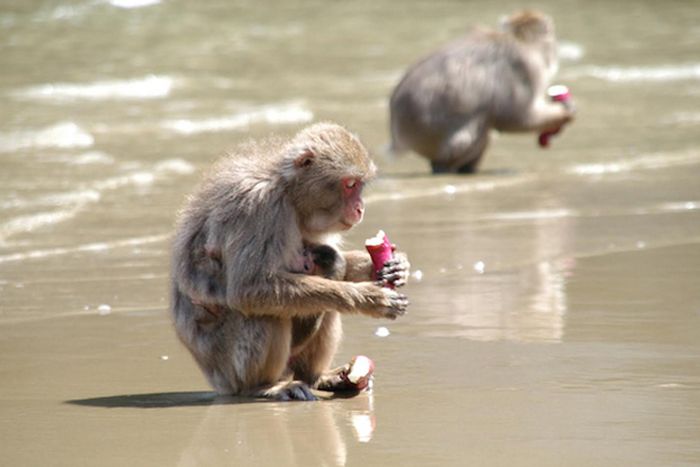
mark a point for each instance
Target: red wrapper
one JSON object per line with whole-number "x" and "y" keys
{"x": 557, "y": 93}
{"x": 380, "y": 250}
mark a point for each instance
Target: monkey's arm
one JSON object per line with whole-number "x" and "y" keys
{"x": 288, "y": 295}
{"x": 547, "y": 116}
{"x": 359, "y": 268}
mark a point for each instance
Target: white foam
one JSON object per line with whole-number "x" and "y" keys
{"x": 683, "y": 118}
{"x": 141, "y": 178}
{"x": 61, "y": 135}
{"x": 632, "y": 74}
{"x": 67, "y": 204}
{"x": 644, "y": 162}
{"x": 275, "y": 114}
{"x": 64, "y": 12}
{"x": 37, "y": 254}
{"x": 129, "y": 4}
{"x": 466, "y": 187}
{"x": 32, "y": 222}
{"x": 146, "y": 177}
{"x": 570, "y": 51}
{"x": 71, "y": 158}
{"x": 70, "y": 203}
{"x": 680, "y": 206}
{"x": 69, "y": 198}
{"x": 149, "y": 87}
{"x": 91, "y": 157}
{"x": 176, "y": 166}
{"x": 532, "y": 215}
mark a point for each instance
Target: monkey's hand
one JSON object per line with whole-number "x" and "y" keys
{"x": 381, "y": 302}
{"x": 395, "y": 271}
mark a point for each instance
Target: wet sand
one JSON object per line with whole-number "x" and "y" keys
{"x": 538, "y": 334}
{"x": 555, "y": 310}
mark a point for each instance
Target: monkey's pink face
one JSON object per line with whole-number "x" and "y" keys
{"x": 339, "y": 207}
{"x": 353, "y": 206}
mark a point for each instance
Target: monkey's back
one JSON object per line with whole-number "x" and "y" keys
{"x": 225, "y": 234}
{"x": 484, "y": 75}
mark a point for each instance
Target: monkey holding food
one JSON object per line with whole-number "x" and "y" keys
{"x": 258, "y": 280}
{"x": 445, "y": 105}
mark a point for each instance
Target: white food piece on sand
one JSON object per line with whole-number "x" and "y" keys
{"x": 417, "y": 275}
{"x": 382, "y": 332}
{"x": 104, "y": 309}
{"x": 557, "y": 90}
{"x": 376, "y": 240}
{"x": 479, "y": 267}
{"x": 360, "y": 368}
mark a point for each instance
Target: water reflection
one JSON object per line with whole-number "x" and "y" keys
{"x": 289, "y": 434}
{"x": 493, "y": 294}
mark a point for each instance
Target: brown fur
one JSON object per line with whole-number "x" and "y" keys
{"x": 446, "y": 104}
{"x": 239, "y": 302}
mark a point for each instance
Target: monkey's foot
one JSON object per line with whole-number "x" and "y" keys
{"x": 354, "y": 376}
{"x": 288, "y": 391}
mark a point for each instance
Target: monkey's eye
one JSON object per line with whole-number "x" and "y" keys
{"x": 351, "y": 186}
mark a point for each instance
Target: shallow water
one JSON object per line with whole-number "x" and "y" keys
{"x": 555, "y": 316}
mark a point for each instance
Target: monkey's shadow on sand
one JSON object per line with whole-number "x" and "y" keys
{"x": 160, "y": 400}
{"x": 182, "y": 399}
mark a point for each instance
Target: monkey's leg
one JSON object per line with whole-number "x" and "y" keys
{"x": 311, "y": 362}
{"x": 462, "y": 151}
{"x": 261, "y": 362}
{"x": 242, "y": 355}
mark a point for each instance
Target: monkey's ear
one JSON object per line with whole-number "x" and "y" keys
{"x": 304, "y": 159}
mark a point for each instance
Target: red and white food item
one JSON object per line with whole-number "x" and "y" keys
{"x": 557, "y": 93}
{"x": 380, "y": 250}
{"x": 360, "y": 374}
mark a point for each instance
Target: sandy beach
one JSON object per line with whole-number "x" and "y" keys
{"x": 555, "y": 310}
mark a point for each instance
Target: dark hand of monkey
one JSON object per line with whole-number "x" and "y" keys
{"x": 383, "y": 302}
{"x": 395, "y": 271}
{"x": 289, "y": 391}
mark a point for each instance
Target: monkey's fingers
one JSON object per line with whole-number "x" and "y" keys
{"x": 299, "y": 391}
{"x": 396, "y": 264}
{"x": 398, "y": 303}
{"x": 302, "y": 393}
{"x": 292, "y": 391}
{"x": 393, "y": 276}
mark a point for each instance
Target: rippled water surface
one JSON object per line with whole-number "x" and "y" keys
{"x": 555, "y": 307}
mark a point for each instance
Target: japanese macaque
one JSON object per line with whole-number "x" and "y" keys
{"x": 445, "y": 105}
{"x": 258, "y": 280}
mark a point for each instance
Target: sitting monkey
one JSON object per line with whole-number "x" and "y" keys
{"x": 258, "y": 281}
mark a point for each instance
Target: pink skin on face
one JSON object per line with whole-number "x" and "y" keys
{"x": 354, "y": 207}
